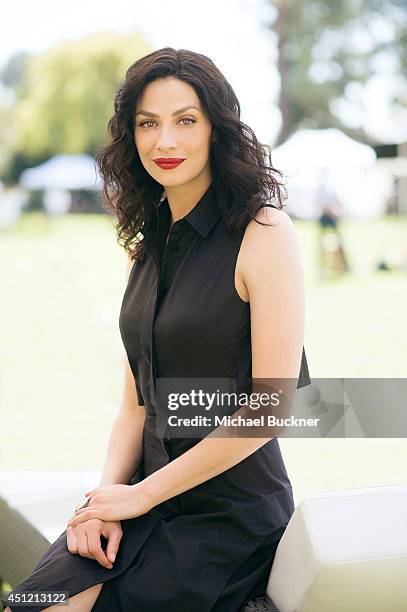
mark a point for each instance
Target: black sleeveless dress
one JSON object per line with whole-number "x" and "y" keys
{"x": 210, "y": 548}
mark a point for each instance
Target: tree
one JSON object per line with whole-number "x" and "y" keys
{"x": 325, "y": 48}
{"x": 65, "y": 96}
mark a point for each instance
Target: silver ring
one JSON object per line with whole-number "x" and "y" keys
{"x": 82, "y": 504}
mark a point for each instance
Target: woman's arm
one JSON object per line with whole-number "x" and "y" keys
{"x": 272, "y": 271}
{"x": 125, "y": 443}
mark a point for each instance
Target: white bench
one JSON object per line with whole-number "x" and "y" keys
{"x": 344, "y": 551}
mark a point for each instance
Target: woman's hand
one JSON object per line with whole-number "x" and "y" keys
{"x": 84, "y": 539}
{"x": 113, "y": 503}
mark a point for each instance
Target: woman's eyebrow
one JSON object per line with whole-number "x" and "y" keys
{"x": 181, "y": 110}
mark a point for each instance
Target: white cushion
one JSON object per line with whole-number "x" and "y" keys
{"x": 344, "y": 551}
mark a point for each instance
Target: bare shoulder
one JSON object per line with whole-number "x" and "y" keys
{"x": 268, "y": 219}
{"x": 270, "y": 238}
{"x": 270, "y": 232}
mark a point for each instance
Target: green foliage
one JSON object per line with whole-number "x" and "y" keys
{"x": 65, "y": 97}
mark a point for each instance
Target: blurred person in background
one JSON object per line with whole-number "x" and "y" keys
{"x": 331, "y": 249}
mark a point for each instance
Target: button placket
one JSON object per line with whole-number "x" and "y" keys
{"x": 171, "y": 244}
{"x": 152, "y": 361}
{"x": 173, "y": 239}
{"x": 174, "y": 231}
{"x": 151, "y": 334}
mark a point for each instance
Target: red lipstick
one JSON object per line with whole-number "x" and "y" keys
{"x": 167, "y": 163}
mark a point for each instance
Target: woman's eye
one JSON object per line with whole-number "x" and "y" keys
{"x": 144, "y": 123}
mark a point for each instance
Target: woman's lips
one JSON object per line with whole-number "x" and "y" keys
{"x": 168, "y": 164}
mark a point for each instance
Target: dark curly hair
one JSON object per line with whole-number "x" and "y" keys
{"x": 243, "y": 175}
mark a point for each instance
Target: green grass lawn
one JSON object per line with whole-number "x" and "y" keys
{"x": 61, "y": 352}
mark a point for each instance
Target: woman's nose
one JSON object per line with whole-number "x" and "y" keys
{"x": 166, "y": 139}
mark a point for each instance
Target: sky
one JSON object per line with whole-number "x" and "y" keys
{"x": 231, "y": 32}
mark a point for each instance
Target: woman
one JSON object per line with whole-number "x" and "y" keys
{"x": 214, "y": 293}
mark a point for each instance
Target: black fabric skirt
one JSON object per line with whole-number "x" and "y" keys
{"x": 157, "y": 569}
{"x": 169, "y": 561}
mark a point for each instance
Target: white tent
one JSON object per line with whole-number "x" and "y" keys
{"x": 63, "y": 172}
{"x": 361, "y": 185}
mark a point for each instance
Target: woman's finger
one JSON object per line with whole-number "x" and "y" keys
{"x": 81, "y": 511}
{"x": 95, "y": 546}
{"x": 114, "y": 537}
{"x": 71, "y": 540}
{"x": 82, "y": 541}
{"x": 85, "y": 516}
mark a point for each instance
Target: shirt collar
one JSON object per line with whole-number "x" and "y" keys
{"x": 202, "y": 217}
